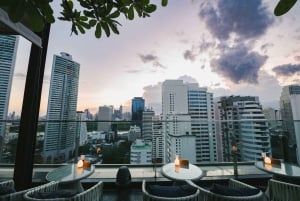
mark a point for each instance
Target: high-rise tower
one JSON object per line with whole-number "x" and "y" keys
{"x": 61, "y": 113}
{"x": 188, "y": 115}
{"x": 137, "y": 108}
{"x": 8, "y": 52}
{"x": 290, "y": 113}
{"x": 242, "y": 124}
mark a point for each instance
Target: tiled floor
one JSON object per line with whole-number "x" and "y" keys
{"x": 124, "y": 195}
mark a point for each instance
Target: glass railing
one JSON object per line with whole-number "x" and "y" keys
{"x": 149, "y": 142}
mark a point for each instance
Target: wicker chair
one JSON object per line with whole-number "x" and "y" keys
{"x": 16, "y": 196}
{"x": 92, "y": 194}
{"x": 281, "y": 191}
{"x": 149, "y": 197}
{"x": 207, "y": 195}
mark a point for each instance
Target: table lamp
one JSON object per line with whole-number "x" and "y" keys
{"x": 177, "y": 163}
{"x": 80, "y": 162}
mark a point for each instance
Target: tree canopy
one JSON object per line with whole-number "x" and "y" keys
{"x": 101, "y": 15}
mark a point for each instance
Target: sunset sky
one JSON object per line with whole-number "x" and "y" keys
{"x": 233, "y": 47}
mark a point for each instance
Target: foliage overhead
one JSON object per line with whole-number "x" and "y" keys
{"x": 83, "y": 14}
{"x": 284, "y": 6}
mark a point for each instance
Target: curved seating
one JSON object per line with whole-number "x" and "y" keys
{"x": 207, "y": 195}
{"x": 15, "y": 196}
{"x": 150, "y": 197}
{"x": 91, "y": 194}
{"x": 282, "y": 191}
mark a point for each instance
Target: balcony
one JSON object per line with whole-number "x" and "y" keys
{"x": 100, "y": 145}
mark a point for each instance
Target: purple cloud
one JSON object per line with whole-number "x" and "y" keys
{"x": 287, "y": 69}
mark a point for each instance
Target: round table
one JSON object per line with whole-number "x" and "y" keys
{"x": 283, "y": 171}
{"x": 69, "y": 175}
{"x": 191, "y": 173}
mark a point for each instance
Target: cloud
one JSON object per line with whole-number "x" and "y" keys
{"x": 148, "y": 58}
{"x": 267, "y": 84}
{"x": 247, "y": 19}
{"x": 151, "y": 58}
{"x": 187, "y": 79}
{"x": 133, "y": 71}
{"x": 157, "y": 64}
{"x": 265, "y": 47}
{"x": 287, "y": 69}
{"x": 205, "y": 45}
{"x": 238, "y": 64}
{"x": 188, "y": 55}
{"x": 152, "y": 95}
{"x": 297, "y": 58}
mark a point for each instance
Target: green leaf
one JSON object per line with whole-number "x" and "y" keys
{"x": 284, "y": 6}
{"x": 36, "y": 19}
{"x": 126, "y": 2}
{"x": 81, "y": 29}
{"x": 150, "y": 8}
{"x": 114, "y": 14}
{"x": 98, "y": 31}
{"x": 113, "y": 27}
{"x": 88, "y": 13}
{"x": 164, "y": 2}
{"x": 70, "y": 4}
{"x": 17, "y": 11}
{"x": 84, "y": 24}
{"x": 130, "y": 13}
{"x": 106, "y": 28}
{"x": 83, "y": 18}
{"x": 145, "y": 2}
{"x": 74, "y": 29}
{"x": 92, "y": 22}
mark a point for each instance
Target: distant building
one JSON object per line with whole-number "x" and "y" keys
{"x": 118, "y": 114}
{"x": 158, "y": 140}
{"x": 137, "y": 108}
{"x": 105, "y": 117}
{"x": 147, "y": 131}
{"x": 134, "y": 133}
{"x": 8, "y": 52}
{"x": 290, "y": 112}
{"x": 61, "y": 112}
{"x": 140, "y": 152}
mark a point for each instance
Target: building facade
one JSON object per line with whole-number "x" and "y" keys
{"x": 290, "y": 113}
{"x": 140, "y": 152}
{"x": 137, "y": 108}
{"x": 8, "y": 53}
{"x": 147, "y": 124}
{"x": 60, "y": 130}
{"x": 105, "y": 115}
{"x": 243, "y": 125}
{"x": 188, "y": 114}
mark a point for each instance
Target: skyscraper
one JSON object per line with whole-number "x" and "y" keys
{"x": 147, "y": 133}
{"x": 105, "y": 115}
{"x": 137, "y": 108}
{"x": 8, "y": 52}
{"x": 61, "y": 113}
{"x": 188, "y": 116}
{"x": 290, "y": 113}
{"x": 243, "y": 125}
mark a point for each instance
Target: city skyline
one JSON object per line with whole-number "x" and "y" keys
{"x": 180, "y": 41}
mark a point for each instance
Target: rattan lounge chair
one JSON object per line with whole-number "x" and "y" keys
{"x": 94, "y": 193}
{"x": 282, "y": 191}
{"x": 150, "y": 197}
{"x": 16, "y": 196}
{"x": 207, "y": 195}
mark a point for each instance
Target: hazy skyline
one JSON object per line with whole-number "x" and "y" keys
{"x": 235, "y": 47}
